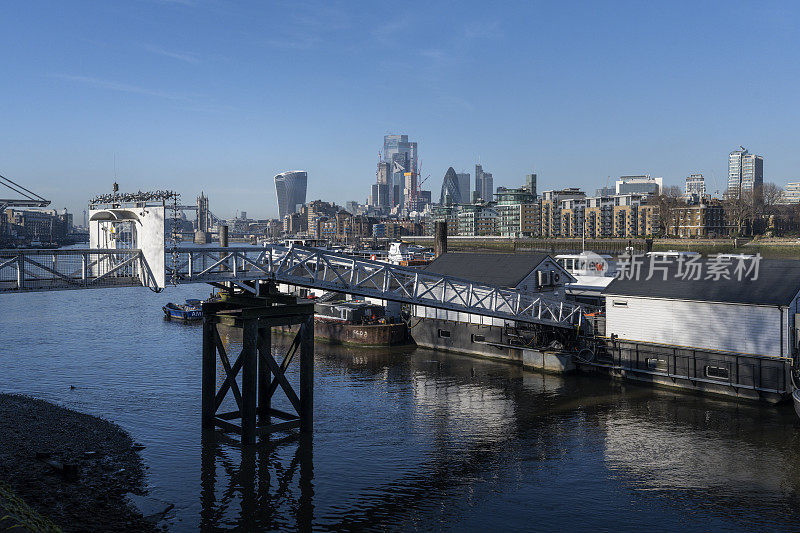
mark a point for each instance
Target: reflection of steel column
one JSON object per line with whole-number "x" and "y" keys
{"x": 307, "y": 375}
{"x": 305, "y": 509}
{"x": 208, "y": 481}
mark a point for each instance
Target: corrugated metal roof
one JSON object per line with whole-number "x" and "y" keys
{"x": 501, "y": 270}
{"x": 777, "y": 282}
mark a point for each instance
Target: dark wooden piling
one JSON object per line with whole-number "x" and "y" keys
{"x": 440, "y": 239}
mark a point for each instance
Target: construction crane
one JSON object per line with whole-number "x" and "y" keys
{"x": 29, "y": 198}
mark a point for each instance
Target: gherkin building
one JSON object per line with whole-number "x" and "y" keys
{"x": 451, "y": 194}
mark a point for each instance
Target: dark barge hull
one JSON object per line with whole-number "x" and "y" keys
{"x": 358, "y": 335}
{"x": 718, "y": 373}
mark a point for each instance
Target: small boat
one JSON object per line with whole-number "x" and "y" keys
{"x": 191, "y": 310}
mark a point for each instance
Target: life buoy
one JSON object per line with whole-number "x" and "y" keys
{"x": 372, "y": 257}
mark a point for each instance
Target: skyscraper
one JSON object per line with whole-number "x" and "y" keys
{"x": 463, "y": 186}
{"x": 484, "y": 184}
{"x": 451, "y": 193}
{"x": 530, "y": 183}
{"x": 290, "y": 188}
{"x": 401, "y": 155}
{"x": 745, "y": 172}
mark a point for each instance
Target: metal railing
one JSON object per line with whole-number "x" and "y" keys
{"x": 44, "y": 270}
{"x": 736, "y": 370}
{"x": 322, "y": 269}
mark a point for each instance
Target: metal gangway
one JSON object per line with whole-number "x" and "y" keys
{"x": 242, "y": 266}
{"x": 128, "y": 248}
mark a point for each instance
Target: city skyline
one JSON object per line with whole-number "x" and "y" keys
{"x": 189, "y": 95}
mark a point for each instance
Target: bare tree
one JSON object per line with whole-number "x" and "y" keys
{"x": 740, "y": 210}
{"x": 769, "y": 196}
{"x": 669, "y": 199}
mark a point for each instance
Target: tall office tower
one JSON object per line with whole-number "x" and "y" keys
{"x": 695, "y": 186}
{"x": 463, "y": 186}
{"x": 530, "y": 183}
{"x": 488, "y": 187}
{"x": 203, "y": 218}
{"x": 381, "y": 197}
{"x": 484, "y": 184}
{"x": 451, "y": 193}
{"x": 745, "y": 172}
{"x": 403, "y": 160}
{"x": 290, "y": 188}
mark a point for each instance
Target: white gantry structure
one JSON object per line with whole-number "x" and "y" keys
{"x": 128, "y": 249}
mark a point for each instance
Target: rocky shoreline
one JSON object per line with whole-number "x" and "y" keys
{"x": 71, "y": 468}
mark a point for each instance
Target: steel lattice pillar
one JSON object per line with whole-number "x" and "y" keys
{"x": 261, "y": 374}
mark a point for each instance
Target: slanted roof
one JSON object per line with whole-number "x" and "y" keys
{"x": 501, "y": 270}
{"x": 777, "y": 283}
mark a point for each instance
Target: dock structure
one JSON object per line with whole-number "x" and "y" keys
{"x": 262, "y": 374}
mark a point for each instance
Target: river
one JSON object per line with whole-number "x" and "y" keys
{"x": 407, "y": 438}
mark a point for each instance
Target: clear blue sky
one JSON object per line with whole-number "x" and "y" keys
{"x": 221, "y": 96}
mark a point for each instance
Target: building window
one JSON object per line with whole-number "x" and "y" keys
{"x": 654, "y": 363}
{"x": 443, "y": 333}
{"x": 620, "y": 303}
{"x": 717, "y": 372}
{"x": 478, "y": 338}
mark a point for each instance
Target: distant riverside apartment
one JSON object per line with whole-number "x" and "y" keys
{"x": 745, "y": 172}
{"x": 791, "y": 193}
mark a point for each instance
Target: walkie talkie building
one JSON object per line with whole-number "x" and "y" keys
{"x": 290, "y": 188}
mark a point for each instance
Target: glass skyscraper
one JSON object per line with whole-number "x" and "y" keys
{"x": 290, "y": 188}
{"x": 402, "y": 158}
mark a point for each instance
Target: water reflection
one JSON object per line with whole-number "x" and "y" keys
{"x": 267, "y": 486}
{"x": 409, "y": 438}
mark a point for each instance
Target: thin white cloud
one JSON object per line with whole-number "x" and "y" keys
{"x": 111, "y": 85}
{"x": 180, "y": 56}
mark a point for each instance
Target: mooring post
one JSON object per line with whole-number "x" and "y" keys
{"x": 249, "y": 379}
{"x": 264, "y": 374}
{"x": 307, "y": 375}
{"x": 209, "y": 371}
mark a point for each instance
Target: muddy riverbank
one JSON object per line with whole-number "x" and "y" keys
{"x": 102, "y": 466}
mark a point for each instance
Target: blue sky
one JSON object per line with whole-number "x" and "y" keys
{"x": 221, "y": 96}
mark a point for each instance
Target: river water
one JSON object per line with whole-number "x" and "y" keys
{"x": 407, "y": 438}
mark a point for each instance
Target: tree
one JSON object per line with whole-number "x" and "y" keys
{"x": 667, "y": 201}
{"x": 769, "y": 196}
{"x": 740, "y": 210}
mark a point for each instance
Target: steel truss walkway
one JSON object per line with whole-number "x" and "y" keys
{"x": 322, "y": 269}
{"x": 51, "y": 270}
{"x": 40, "y": 270}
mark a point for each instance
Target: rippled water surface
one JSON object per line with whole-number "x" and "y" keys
{"x": 407, "y": 438}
